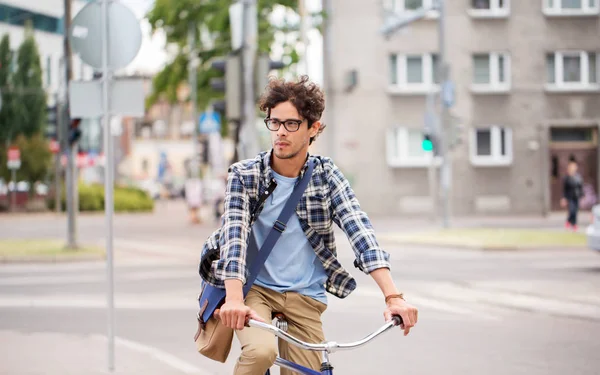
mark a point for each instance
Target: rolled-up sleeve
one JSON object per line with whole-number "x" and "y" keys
{"x": 234, "y": 231}
{"x": 355, "y": 223}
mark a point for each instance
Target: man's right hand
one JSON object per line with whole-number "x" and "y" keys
{"x": 233, "y": 314}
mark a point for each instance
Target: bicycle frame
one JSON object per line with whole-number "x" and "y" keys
{"x": 326, "y": 348}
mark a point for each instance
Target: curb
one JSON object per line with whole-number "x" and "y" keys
{"x": 483, "y": 248}
{"x": 52, "y": 258}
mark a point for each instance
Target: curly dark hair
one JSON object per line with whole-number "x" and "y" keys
{"x": 306, "y": 96}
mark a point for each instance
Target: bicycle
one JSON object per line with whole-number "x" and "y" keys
{"x": 329, "y": 347}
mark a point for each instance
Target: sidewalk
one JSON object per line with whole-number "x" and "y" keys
{"x": 46, "y": 353}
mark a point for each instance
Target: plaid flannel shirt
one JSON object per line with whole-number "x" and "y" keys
{"x": 328, "y": 198}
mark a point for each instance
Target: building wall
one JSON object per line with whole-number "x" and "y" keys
{"x": 50, "y": 44}
{"x": 364, "y": 114}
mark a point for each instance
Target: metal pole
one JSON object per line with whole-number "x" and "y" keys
{"x": 14, "y": 192}
{"x": 248, "y": 134}
{"x": 445, "y": 175}
{"x": 327, "y": 79}
{"x": 108, "y": 188}
{"x": 57, "y": 169}
{"x": 193, "y": 81}
{"x": 303, "y": 36}
{"x": 71, "y": 181}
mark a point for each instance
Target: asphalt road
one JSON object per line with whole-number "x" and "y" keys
{"x": 535, "y": 312}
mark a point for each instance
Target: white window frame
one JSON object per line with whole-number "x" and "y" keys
{"x": 585, "y": 84}
{"x": 556, "y": 10}
{"x": 495, "y": 11}
{"x": 495, "y": 159}
{"x": 399, "y": 7}
{"x": 397, "y": 140}
{"x": 403, "y": 87}
{"x": 495, "y": 85}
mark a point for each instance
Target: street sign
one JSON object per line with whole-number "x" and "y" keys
{"x": 126, "y": 97}
{"x": 14, "y": 158}
{"x": 54, "y": 146}
{"x": 210, "y": 122}
{"x": 124, "y": 35}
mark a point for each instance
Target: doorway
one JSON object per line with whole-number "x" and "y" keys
{"x": 567, "y": 144}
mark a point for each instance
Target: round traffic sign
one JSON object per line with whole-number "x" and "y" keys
{"x": 14, "y": 154}
{"x": 124, "y": 35}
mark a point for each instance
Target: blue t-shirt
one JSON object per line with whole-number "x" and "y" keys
{"x": 292, "y": 265}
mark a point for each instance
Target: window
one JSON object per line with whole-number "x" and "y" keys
{"x": 570, "y": 7}
{"x": 491, "y": 72}
{"x": 408, "y": 5}
{"x": 572, "y": 70}
{"x": 571, "y": 135}
{"x": 18, "y": 16}
{"x": 413, "y": 73}
{"x": 491, "y": 146}
{"x": 404, "y": 148}
{"x": 489, "y": 8}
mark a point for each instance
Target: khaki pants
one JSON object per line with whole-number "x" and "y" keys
{"x": 259, "y": 348}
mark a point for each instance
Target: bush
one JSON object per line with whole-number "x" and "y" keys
{"x": 126, "y": 199}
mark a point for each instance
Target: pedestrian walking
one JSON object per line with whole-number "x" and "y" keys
{"x": 572, "y": 192}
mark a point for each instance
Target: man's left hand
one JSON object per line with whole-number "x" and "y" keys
{"x": 409, "y": 314}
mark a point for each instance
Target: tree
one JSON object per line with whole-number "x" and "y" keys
{"x": 213, "y": 36}
{"x": 6, "y": 122}
{"x": 29, "y": 104}
{"x": 36, "y": 159}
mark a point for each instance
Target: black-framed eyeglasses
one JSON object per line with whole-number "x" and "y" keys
{"x": 290, "y": 125}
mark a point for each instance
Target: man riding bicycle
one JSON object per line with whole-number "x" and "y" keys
{"x": 302, "y": 265}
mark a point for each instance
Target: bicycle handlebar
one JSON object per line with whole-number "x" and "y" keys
{"x": 330, "y": 346}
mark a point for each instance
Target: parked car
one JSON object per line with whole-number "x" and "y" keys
{"x": 593, "y": 230}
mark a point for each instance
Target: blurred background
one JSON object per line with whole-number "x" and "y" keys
{"x": 467, "y": 128}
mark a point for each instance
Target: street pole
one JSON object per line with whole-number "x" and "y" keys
{"x": 59, "y": 123}
{"x": 303, "y": 36}
{"x": 193, "y": 82}
{"x": 108, "y": 188}
{"x": 71, "y": 179}
{"x": 13, "y": 196}
{"x": 445, "y": 175}
{"x": 327, "y": 79}
{"x": 248, "y": 134}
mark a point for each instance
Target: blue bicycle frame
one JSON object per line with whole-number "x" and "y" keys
{"x": 325, "y": 348}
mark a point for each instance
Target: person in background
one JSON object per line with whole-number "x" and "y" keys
{"x": 572, "y": 192}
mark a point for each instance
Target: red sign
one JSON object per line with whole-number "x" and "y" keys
{"x": 54, "y": 146}
{"x": 14, "y": 154}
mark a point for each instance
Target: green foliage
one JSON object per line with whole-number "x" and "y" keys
{"x": 212, "y": 18}
{"x": 36, "y": 158}
{"x": 5, "y": 78}
{"x": 29, "y": 105}
{"x": 126, "y": 199}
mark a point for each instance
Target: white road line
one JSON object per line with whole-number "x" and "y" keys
{"x": 435, "y": 304}
{"x": 158, "y": 354}
{"x": 58, "y": 279}
{"x": 130, "y": 301}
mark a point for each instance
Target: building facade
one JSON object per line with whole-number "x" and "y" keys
{"x": 46, "y": 17}
{"x": 526, "y": 77}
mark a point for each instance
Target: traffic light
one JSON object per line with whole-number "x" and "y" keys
{"x": 74, "y": 131}
{"x": 263, "y": 66}
{"x": 430, "y": 143}
{"x": 427, "y": 143}
{"x": 230, "y": 84}
{"x": 52, "y": 122}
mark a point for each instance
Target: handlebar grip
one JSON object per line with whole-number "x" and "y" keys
{"x": 397, "y": 319}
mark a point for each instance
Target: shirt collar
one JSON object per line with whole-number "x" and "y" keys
{"x": 268, "y": 171}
